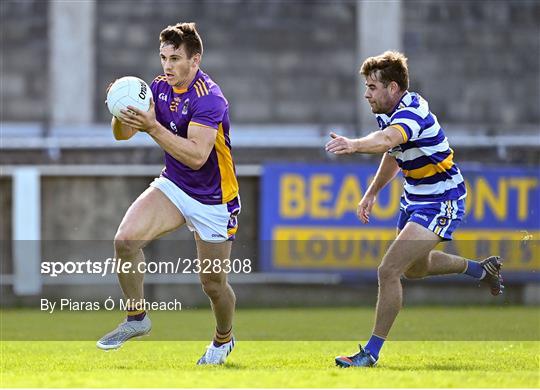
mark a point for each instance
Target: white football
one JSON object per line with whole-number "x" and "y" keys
{"x": 128, "y": 91}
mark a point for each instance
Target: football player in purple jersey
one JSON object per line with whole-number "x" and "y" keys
{"x": 189, "y": 119}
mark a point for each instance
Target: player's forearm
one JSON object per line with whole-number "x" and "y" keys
{"x": 376, "y": 142}
{"x": 182, "y": 149}
{"x": 121, "y": 131}
{"x": 388, "y": 169}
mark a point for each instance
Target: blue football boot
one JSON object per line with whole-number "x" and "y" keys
{"x": 361, "y": 359}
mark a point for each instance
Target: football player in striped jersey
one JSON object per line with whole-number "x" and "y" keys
{"x": 433, "y": 201}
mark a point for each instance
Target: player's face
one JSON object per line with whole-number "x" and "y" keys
{"x": 380, "y": 98}
{"x": 178, "y": 68}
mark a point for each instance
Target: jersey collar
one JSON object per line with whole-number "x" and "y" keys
{"x": 384, "y": 119}
{"x": 184, "y": 90}
{"x": 405, "y": 101}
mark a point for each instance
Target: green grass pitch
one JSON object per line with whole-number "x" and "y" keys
{"x": 418, "y": 355}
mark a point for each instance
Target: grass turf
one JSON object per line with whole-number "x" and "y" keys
{"x": 269, "y": 364}
{"x": 293, "y": 363}
{"x": 286, "y": 324}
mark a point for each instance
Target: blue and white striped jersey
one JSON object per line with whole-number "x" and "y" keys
{"x": 425, "y": 157}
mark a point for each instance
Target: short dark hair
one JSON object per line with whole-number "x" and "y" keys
{"x": 182, "y": 34}
{"x": 387, "y": 67}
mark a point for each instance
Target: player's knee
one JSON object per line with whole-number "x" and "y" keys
{"x": 387, "y": 272}
{"x": 125, "y": 243}
{"x": 213, "y": 288}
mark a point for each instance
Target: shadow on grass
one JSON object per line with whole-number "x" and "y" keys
{"x": 222, "y": 367}
{"x": 234, "y": 366}
{"x": 430, "y": 367}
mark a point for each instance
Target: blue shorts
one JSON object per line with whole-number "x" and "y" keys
{"x": 442, "y": 218}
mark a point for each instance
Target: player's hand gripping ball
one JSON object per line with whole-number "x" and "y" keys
{"x": 128, "y": 91}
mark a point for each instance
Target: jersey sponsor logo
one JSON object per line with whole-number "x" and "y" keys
{"x": 163, "y": 97}
{"x": 185, "y": 107}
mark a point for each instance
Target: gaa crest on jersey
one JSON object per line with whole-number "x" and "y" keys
{"x": 185, "y": 107}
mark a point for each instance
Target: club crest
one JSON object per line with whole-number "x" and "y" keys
{"x": 185, "y": 107}
{"x": 442, "y": 221}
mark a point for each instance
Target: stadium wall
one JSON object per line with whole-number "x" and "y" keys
{"x": 461, "y": 55}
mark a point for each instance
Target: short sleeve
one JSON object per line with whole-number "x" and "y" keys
{"x": 154, "y": 87}
{"x": 407, "y": 122}
{"x": 209, "y": 111}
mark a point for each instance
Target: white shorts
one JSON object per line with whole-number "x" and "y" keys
{"x": 213, "y": 223}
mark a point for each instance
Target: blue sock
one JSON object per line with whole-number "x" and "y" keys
{"x": 474, "y": 269}
{"x": 374, "y": 345}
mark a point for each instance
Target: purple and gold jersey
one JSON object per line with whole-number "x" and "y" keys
{"x": 202, "y": 103}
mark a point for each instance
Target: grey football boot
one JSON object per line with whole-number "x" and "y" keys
{"x": 125, "y": 331}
